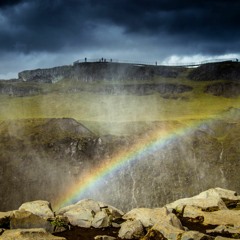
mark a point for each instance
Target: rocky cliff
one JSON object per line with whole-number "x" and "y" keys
{"x": 89, "y": 72}
{"x": 216, "y": 71}
{"x": 57, "y": 152}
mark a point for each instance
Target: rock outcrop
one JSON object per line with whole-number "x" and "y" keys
{"x": 57, "y": 152}
{"x": 216, "y": 71}
{"x": 225, "y": 89}
{"x": 179, "y": 220}
{"x": 87, "y": 213}
{"x": 92, "y": 72}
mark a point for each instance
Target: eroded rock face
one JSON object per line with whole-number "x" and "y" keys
{"x": 216, "y": 71}
{"x": 203, "y": 157}
{"x": 228, "y": 90}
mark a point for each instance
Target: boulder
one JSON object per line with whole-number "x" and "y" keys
{"x": 23, "y": 220}
{"x": 221, "y": 217}
{"x": 212, "y": 199}
{"x": 226, "y": 195}
{"x": 25, "y": 234}
{"x": 85, "y": 203}
{"x": 206, "y": 204}
{"x": 6, "y": 214}
{"x": 225, "y": 230}
{"x": 147, "y": 216}
{"x": 87, "y": 213}
{"x": 115, "y": 213}
{"x": 100, "y": 220}
{"x": 131, "y": 229}
{"x": 80, "y": 217}
{"x": 39, "y": 207}
{"x": 190, "y": 235}
{"x": 163, "y": 230}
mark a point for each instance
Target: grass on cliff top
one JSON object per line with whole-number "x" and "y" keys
{"x": 106, "y": 114}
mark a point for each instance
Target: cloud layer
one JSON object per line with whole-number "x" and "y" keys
{"x": 136, "y": 29}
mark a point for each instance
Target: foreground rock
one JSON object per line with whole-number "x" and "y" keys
{"x": 147, "y": 216}
{"x": 39, "y": 208}
{"x": 24, "y": 220}
{"x": 89, "y": 213}
{"x": 131, "y": 229}
{"x": 27, "y": 234}
{"x": 210, "y": 200}
{"x": 212, "y": 214}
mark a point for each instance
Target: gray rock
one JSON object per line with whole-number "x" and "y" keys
{"x": 163, "y": 230}
{"x": 87, "y": 213}
{"x": 224, "y": 194}
{"x": 24, "y": 220}
{"x": 80, "y": 217}
{"x": 221, "y": 217}
{"x": 27, "y": 234}
{"x": 148, "y": 217}
{"x": 131, "y": 229}
{"x": 39, "y": 207}
{"x": 6, "y": 214}
{"x": 100, "y": 220}
{"x": 190, "y": 235}
{"x": 207, "y": 204}
{"x": 234, "y": 231}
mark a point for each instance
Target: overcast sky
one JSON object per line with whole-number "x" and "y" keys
{"x": 46, "y": 33}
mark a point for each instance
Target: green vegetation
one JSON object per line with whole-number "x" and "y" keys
{"x": 99, "y": 111}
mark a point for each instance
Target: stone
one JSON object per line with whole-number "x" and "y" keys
{"x": 228, "y": 196}
{"x": 163, "y": 230}
{"x": 28, "y": 234}
{"x": 85, "y": 203}
{"x": 80, "y": 217}
{"x": 38, "y": 207}
{"x": 190, "y": 235}
{"x": 225, "y": 230}
{"x": 104, "y": 237}
{"x": 98, "y": 214}
{"x": 221, "y": 217}
{"x": 100, "y": 220}
{"x": 131, "y": 229}
{"x": 23, "y": 220}
{"x": 6, "y": 214}
{"x": 147, "y": 216}
{"x": 223, "y": 238}
{"x": 114, "y": 212}
{"x": 206, "y": 204}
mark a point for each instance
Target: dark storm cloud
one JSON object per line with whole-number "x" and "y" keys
{"x": 208, "y": 27}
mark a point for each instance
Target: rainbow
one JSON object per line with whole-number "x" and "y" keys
{"x": 151, "y": 143}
